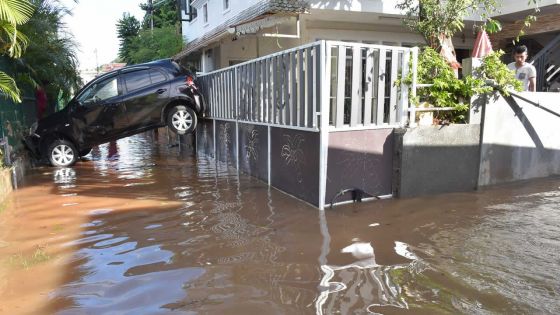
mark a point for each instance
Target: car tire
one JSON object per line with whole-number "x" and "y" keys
{"x": 181, "y": 119}
{"x": 85, "y": 152}
{"x": 62, "y": 153}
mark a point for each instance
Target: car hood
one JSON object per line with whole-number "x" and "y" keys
{"x": 53, "y": 120}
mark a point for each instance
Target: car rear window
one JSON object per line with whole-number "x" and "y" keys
{"x": 136, "y": 80}
{"x": 157, "y": 76}
{"x": 180, "y": 69}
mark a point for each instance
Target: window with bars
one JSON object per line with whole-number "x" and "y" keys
{"x": 190, "y": 11}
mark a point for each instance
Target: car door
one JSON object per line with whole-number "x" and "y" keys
{"x": 147, "y": 91}
{"x": 99, "y": 113}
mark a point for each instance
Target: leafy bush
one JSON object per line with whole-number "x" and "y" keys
{"x": 495, "y": 70}
{"x": 448, "y": 91}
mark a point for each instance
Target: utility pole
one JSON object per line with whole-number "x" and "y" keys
{"x": 151, "y": 12}
{"x": 96, "y": 62}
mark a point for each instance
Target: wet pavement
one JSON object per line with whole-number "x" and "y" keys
{"x": 143, "y": 228}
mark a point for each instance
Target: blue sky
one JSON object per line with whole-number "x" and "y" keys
{"x": 93, "y": 25}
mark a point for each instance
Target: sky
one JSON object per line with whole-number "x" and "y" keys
{"x": 93, "y": 24}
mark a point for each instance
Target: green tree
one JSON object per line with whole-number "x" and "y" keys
{"x": 128, "y": 28}
{"x": 50, "y": 58}
{"x": 13, "y": 13}
{"x": 437, "y": 20}
{"x": 165, "y": 14}
{"x": 163, "y": 43}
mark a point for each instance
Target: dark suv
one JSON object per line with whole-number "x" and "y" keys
{"x": 116, "y": 105}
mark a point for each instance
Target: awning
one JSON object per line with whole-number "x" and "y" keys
{"x": 265, "y": 21}
{"x": 262, "y": 9}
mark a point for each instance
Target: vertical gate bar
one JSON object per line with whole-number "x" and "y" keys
{"x": 278, "y": 84}
{"x": 241, "y": 93}
{"x": 310, "y": 113}
{"x": 265, "y": 90}
{"x": 221, "y": 91}
{"x": 231, "y": 93}
{"x": 213, "y": 95}
{"x": 381, "y": 87}
{"x": 324, "y": 82}
{"x": 214, "y": 135}
{"x": 286, "y": 113}
{"x": 234, "y": 83}
{"x": 274, "y": 89}
{"x": 355, "y": 87}
{"x": 317, "y": 82}
{"x": 259, "y": 91}
{"x": 403, "y": 104}
{"x": 254, "y": 102}
{"x": 237, "y": 145}
{"x": 218, "y": 102}
{"x": 270, "y": 71}
{"x": 368, "y": 88}
{"x": 268, "y": 157}
{"x": 412, "y": 119}
{"x": 341, "y": 78}
{"x": 224, "y": 92}
{"x": 250, "y": 92}
{"x": 393, "y": 100}
{"x": 293, "y": 89}
{"x": 301, "y": 89}
{"x": 246, "y": 92}
{"x": 216, "y": 105}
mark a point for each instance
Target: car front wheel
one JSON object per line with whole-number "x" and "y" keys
{"x": 62, "y": 153}
{"x": 181, "y": 119}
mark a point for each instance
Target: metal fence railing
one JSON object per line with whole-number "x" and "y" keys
{"x": 286, "y": 88}
{"x": 15, "y": 122}
{"x": 363, "y": 93}
{"x": 282, "y": 89}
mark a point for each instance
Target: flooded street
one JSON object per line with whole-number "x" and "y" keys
{"x": 141, "y": 228}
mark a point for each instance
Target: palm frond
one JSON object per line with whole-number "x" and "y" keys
{"x": 12, "y": 39}
{"x": 16, "y": 12}
{"x": 8, "y": 88}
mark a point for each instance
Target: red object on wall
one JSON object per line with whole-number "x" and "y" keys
{"x": 41, "y": 100}
{"x": 482, "y": 45}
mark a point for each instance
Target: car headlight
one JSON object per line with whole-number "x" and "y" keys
{"x": 33, "y": 128}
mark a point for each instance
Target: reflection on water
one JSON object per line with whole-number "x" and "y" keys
{"x": 142, "y": 227}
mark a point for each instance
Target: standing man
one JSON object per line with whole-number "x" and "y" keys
{"x": 524, "y": 71}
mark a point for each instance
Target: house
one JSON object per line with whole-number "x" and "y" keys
{"x": 220, "y": 33}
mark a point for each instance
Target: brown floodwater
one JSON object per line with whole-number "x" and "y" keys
{"x": 141, "y": 227}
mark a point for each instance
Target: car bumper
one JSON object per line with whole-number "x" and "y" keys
{"x": 32, "y": 144}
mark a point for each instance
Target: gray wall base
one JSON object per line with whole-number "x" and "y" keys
{"x": 436, "y": 159}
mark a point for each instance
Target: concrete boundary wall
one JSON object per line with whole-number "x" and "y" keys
{"x": 287, "y": 159}
{"x": 359, "y": 159}
{"x": 6, "y": 187}
{"x": 436, "y": 159}
{"x": 520, "y": 141}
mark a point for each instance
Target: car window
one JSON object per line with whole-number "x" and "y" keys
{"x": 136, "y": 80}
{"x": 100, "y": 91}
{"x": 157, "y": 76}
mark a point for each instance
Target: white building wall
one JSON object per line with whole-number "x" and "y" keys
{"x": 373, "y": 6}
{"x": 216, "y": 16}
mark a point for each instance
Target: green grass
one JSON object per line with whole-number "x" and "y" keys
{"x": 39, "y": 256}
{"x": 3, "y": 205}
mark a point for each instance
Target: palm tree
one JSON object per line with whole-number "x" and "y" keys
{"x": 13, "y": 13}
{"x": 51, "y": 54}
